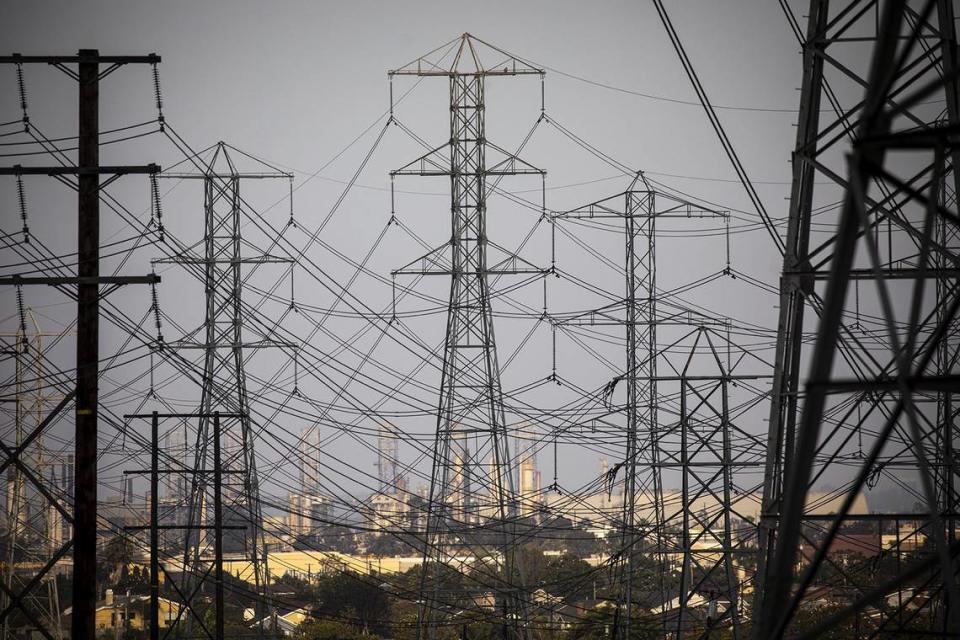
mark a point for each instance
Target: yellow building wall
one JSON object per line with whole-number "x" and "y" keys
{"x": 319, "y": 562}
{"x": 108, "y": 617}
{"x": 111, "y": 617}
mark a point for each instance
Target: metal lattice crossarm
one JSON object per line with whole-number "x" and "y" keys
{"x": 467, "y": 55}
{"x": 887, "y": 382}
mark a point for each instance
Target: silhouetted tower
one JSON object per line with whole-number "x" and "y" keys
{"x": 876, "y": 134}
{"x": 175, "y": 486}
{"x": 309, "y": 461}
{"x": 388, "y": 465}
{"x": 530, "y": 496}
{"x": 225, "y": 343}
{"x": 470, "y": 410}
{"x": 639, "y": 207}
{"x": 34, "y": 527}
{"x": 713, "y": 455}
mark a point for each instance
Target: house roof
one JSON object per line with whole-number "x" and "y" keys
{"x": 121, "y": 599}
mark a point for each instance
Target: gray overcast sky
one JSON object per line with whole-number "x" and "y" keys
{"x": 308, "y": 75}
{"x": 295, "y": 82}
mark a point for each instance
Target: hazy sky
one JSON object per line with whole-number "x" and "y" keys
{"x": 295, "y": 82}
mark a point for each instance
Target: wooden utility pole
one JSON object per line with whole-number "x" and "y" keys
{"x": 88, "y": 351}
{"x": 88, "y": 281}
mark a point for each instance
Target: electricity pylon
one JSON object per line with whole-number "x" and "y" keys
{"x": 878, "y": 401}
{"x": 224, "y": 340}
{"x": 470, "y": 410}
{"x": 34, "y": 527}
{"x": 645, "y": 445}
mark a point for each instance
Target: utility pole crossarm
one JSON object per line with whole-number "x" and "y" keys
{"x": 241, "y": 176}
{"x": 18, "y": 280}
{"x": 117, "y": 170}
{"x": 17, "y": 58}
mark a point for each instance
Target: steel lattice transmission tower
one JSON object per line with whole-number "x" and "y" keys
{"x": 651, "y": 447}
{"x": 224, "y": 340}
{"x": 637, "y": 209}
{"x": 470, "y": 408}
{"x": 34, "y": 528}
{"x": 876, "y": 154}
{"x": 714, "y": 454}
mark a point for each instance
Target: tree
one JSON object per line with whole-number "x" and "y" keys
{"x": 117, "y": 554}
{"x": 302, "y": 589}
{"x": 327, "y": 630}
{"x": 565, "y": 536}
{"x": 339, "y": 538}
{"x": 598, "y": 624}
{"x": 360, "y": 598}
{"x": 136, "y": 580}
{"x": 570, "y": 577}
{"x": 387, "y": 545}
